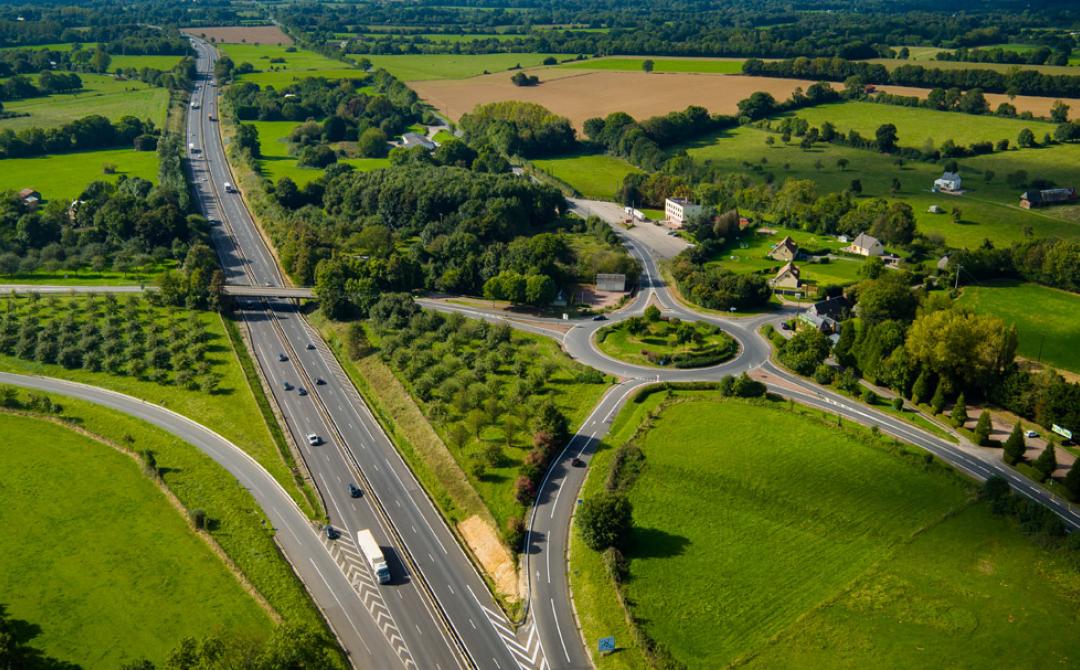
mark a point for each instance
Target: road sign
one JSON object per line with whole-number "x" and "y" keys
{"x": 607, "y": 644}
{"x": 1064, "y": 432}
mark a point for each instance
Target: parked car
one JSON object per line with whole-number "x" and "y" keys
{"x": 332, "y": 533}
{"x": 599, "y": 317}
{"x": 1031, "y": 433}
{"x": 314, "y": 440}
{"x": 354, "y": 491}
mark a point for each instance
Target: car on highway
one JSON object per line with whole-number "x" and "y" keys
{"x": 211, "y": 117}
{"x": 301, "y": 391}
{"x": 286, "y": 385}
{"x": 1031, "y": 433}
{"x": 354, "y": 491}
{"x": 332, "y": 533}
{"x": 310, "y": 346}
{"x": 314, "y": 440}
{"x": 282, "y": 357}
{"x": 577, "y": 462}
{"x": 599, "y": 317}
{"x": 319, "y": 381}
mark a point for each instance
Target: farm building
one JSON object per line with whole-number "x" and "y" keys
{"x": 788, "y": 277}
{"x": 677, "y": 211}
{"x": 610, "y": 282}
{"x": 866, "y": 245}
{"x": 948, "y": 182}
{"x": 410, "y": 140}
{"x": 30, "y": 197}
{"x": 1049, "y": 196}
{"x": 785, "y": 250}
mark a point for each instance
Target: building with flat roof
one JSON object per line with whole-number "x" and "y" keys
{"x": 677, "y": 211}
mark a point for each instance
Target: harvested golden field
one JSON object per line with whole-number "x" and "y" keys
{"x": 582, "y": 96}
{"x": 245, "y": 34}
{"x": 1039, "y": 106}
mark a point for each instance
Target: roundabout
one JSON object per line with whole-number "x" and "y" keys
{"x": 653, "y": 340}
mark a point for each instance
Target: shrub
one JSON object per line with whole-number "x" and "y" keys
{"x": 198, "y": 518}
{"x": 1046, "y": 463}
{"x": 981, "y": 434}
{"x": 1014, "y": 446}
{"x": 898, "y": 403}
{"x": 959, "y": 416}
{"x": 524, "y": 489}
{"x": 605, "y": 520}
{"x": 616, "y": 565}
{"x": 515, "y": 532}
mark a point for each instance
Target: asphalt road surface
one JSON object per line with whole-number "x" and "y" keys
{"x": 437, "y": 612}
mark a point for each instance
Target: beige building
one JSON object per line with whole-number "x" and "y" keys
{"x": 865, "y": 245}
{"x": 785, "y": 250}
{"x": 678, "y": 211}
{"x": 788, "y": 277}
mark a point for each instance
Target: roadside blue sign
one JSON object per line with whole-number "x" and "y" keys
{"x": 607, "y": 643}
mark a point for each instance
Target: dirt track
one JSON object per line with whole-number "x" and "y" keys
{"x": 588, "y": 94}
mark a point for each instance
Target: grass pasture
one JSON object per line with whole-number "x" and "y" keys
{"x": 164, "y": 63}
{"x": 276, "y": 162}
{"x": 661, "y": 65}
{"x": 423, "y": 67}
{"x": 127, "y": 578}
{"x": 1045, "y": 319}
{"x": 750, "y": 254}
{"x": 914, "y": 125}
{"x": 781, "y": 541}
{"x": 596, "y": 176}
{"x": 989, "y": 210}
{"x": 64, "y": 176}
{"x": 297, "y": 64}
{"x": 101, "y": 94}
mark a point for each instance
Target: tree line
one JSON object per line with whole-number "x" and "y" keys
{"x": 1020, "y": 82}
{"x": 518, "y": 129}
{"x": 89, "y": 132}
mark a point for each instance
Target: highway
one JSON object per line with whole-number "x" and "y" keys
{"x": 437, "y": 612}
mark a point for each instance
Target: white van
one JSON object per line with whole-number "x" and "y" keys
{"x": 229, "y": 188}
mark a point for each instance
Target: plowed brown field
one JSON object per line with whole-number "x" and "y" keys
{"x": 246, "y": 34}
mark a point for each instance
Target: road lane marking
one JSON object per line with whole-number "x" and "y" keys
{"x": 558, "y": 629}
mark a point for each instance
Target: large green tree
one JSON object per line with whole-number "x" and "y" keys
{"x": 605, "y": 520}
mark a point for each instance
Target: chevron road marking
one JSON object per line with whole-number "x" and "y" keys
{"x": 348, "y": 557}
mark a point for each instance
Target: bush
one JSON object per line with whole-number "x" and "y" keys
{"x": 745, "y": 387}
{"x": 198, "y": 518}
{"x": 605, "y": 520}
{"x": 868, "y": 396}
{"x": 1046, "y": 463}
{"x": 616, "y": 565}
{"x": 824, "y": 374}
{"x": 898, "y": 403}
{"x": 981, "y": 434}
{"x": 1014, "y": 446}
{"x": 959, "y": 416}
{"x": 515, "y": 532}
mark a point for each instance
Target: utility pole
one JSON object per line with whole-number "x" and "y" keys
{"x": 956, "y": 285}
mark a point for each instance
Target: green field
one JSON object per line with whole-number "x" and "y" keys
{"x": 231, "y": 409}
{"x": 64, "y": 176}
{"x": 297, "y": 65}
{"x": 926, "y": 59}
{"x": 1045, "y": 318}
{"x": 784, "y": 542}
{"x": 633, "y": 64}
{"x": 597, "y": 176}
{"x": 914, "y": 125}
{"x": 990, "y": 210}
{"x": 99, "y": 559}
{"x": 101, "y": 94}
{"x": 750, "y": 254}
{"x": 163, "y": 63}
{"x": 443, "y": 38}
{"x": 420, "y": 67}
{"x": 277, "y": 163}
{"x": 661, "y": 341}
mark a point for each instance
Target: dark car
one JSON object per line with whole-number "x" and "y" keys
{"x": 577, "y": 463}
{"x": 599, "y": 317}
{"x": 354, "y": 491}
{"x": 310, "y": 346}
{"x": 301, "y": 391}
{"x": 319, "y": 381}
{"x": 282, "y": 357}
{"x": 286, "y": 385}
{"x": 332, "y": 533}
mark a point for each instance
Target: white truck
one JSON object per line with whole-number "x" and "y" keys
{"x": 229, "y": 188}
{"x": 192, "y": 149}
{"x": 373, "y": 553}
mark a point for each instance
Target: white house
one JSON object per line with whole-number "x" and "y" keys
{"x": 410, "y": 140}
{"x": 865, "y": 245}
{"x": 788, "y": 277}
{"x": 678, "y": 211}
{"x": 949, "y": 182}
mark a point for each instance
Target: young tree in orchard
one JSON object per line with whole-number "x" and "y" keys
{"x": 605, "y": 520}
{"x": 1013, "y": 451}
{"x": 981, "y": 434}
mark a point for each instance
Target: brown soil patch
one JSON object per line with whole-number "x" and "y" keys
{"x": 247, "y": 34}
{"x": 595, "y": 298}
{"x": 492, "y": 554}
{"x": 590, "y": 94}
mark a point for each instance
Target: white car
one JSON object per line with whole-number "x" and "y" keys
{"x": 1031, "y": 433}
{"x": 314, "y": 440}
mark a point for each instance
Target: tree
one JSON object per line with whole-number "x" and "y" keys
{"x": 1046, "y": 463}
{"x": 1014, "y": 446}
{"x": 972, "y": 351}
{"x": 1072, "y": 481}
{"x": 937, "y": 403}
{"x": 959, "y": 416}
{"x": 921, "y": 390}
{"x": 1026, "y": 138}
{"x": 981, "y": 434}
{"x": 856, "y": 186}
{"x": 652, "y": 313}
{"x": 540, "y": 290}
{"x": 605, "y": 520}
{"x": 1059, "y": 112}
{"x": 647, "y": 65}
{"x": 806, "y": 350}
{"x": 372, "y": 143}
{"x": 842, "y": 163}
{"x": 886, "y": 138}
